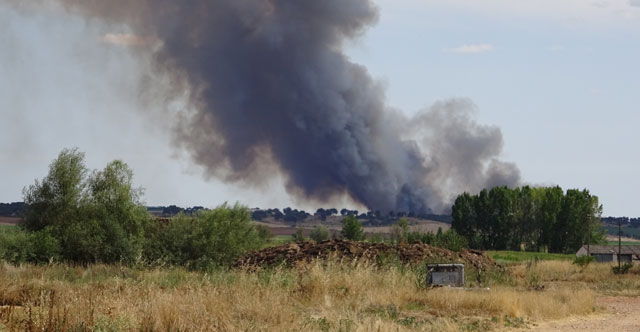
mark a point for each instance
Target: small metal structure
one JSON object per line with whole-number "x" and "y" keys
{"x": 445, "y": 275}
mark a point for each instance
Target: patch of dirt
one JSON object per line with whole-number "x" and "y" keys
{"x": 622, "y": 314}
{"x": 9, "y": 221}
{"x": 623, "y": 238}
{"x": 294, "y": 253}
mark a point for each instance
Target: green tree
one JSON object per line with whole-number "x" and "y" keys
{"x": 464, "y": 218}
{"x": 92, "y": 218}
{"x": 548, "y": 212}
{"x": 55, "y": 200}
{"x": 319, "y": 233}
{"x": 352, "y": 229}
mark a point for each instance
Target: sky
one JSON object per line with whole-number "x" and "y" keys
{"x": 559, "y": 77}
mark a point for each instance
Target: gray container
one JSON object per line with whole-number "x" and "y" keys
{"x": 445, "y": 275}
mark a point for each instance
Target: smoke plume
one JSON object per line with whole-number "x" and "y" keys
{"x": 269, "y": 85}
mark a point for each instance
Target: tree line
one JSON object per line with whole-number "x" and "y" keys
{"x": 526, "y": 218}
{"x": 83, "y": 216}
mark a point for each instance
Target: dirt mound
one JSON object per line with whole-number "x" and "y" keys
{"x": 294, "y": 253}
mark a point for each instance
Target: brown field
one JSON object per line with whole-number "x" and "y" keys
{"x": 347, "y": 296}
{"x": 416, "y": 225}
{"x": 623, "y": 238}
{"x": 9, "y": 221}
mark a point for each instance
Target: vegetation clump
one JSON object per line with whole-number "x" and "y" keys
{"x": 82, "y": 217}
{"x": 352, "y": 228}
{"x": 535, "y": 219}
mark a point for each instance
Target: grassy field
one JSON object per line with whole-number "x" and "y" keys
{"x": 316, "y": 297}
{"x": 319, "y": 296}
{"x": 523, "y": 256}
{"x": 613, "y": 230}
{"x": 277, "y": 240}
{"x": 624, "y": 243}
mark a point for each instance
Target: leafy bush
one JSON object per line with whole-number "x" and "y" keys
{"x": 448, "y": 239}
{"x": 451, "y": 240}
{"x": 584, "y": 261}
{"x": 19, "y": 246}
{"x": 400, "y": 231}
{"x": 623, "y": 269}
{"x": 264, "y": 233}
{"x": 319, "y": 233}
{"x": 203, "y": 241}
{"x": 298, "y": 236}
{"x": 352, "y": 229}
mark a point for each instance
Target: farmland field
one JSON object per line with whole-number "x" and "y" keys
{"x": 9, "y": 221}
{"x": 522, "y": 256}
{"x": 319, "y": 296}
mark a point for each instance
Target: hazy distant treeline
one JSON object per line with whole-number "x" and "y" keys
{"x": 369, "y": 218}
{"x": 15, "y": 209}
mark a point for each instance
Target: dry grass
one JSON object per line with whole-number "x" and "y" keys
{"x": 333, "y": 297}
{"x": 563, "y": 274}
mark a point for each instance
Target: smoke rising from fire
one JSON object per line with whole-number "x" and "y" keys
{"x": 269, "y": 85}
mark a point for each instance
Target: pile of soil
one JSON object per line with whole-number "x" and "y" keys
{"x": 294, "y": 253}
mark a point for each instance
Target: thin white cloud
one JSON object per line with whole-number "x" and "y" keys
{"x": 556, "y": 48}
{"x": 126, "y": 39}
{"x": 634, "y": 3}
{"x": 470, "y": 49}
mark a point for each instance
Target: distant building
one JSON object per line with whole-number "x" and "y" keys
{"x": 609, "y": 253}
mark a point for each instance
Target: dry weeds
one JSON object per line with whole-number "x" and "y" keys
{"x": 315, "y": 297}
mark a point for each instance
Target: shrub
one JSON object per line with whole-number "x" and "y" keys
{"x": 352, "y": 229}
{"x": 19, "y": 246}
{"x": 264, "y": 233}
{"x": 205, "y": 240}
{"x": 298, "y": 236}
{"x": 426, "y": 238}
{"x": 451, "y": 240}
{"x": 583, "y": 261}
{"x": 623, "y": 269}
{"x": 319, "y": 233}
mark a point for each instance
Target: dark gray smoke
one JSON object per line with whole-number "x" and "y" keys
{"x": 270, "y": 84}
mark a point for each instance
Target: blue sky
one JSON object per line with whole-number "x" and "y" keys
{"x": 559, "y": 77}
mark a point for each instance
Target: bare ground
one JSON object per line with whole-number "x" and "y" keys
{"x": 620, "y": 314}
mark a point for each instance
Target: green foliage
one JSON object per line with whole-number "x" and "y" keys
{"x": 524, "y": 256}
{"x": 400, "y": 231}
{"x": 584, "y": 261}
{"x": 298, "y": 236}
{"x": 623, "y": 269}
{"x": 205, "y": 240}
{"x": 426, "y": 238}
{"x": 19, "y": 246}
{"x": 528, "y": 218}
{"x": 449, "y": 239}
{"x": 54, "y": 200}
{"x": 319, "y": 233}
{"x": 352, "y": 229}
{"x": 376, "y": 238}
{"x": 85, "y": 217}
{"x": 264, "y": 233}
